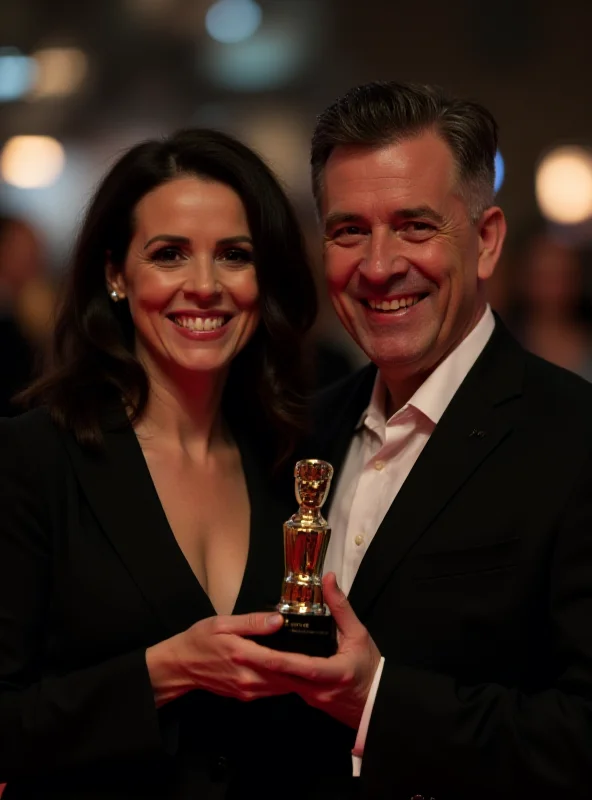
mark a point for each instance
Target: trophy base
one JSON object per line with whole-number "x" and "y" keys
{"x": 309, "y": 634}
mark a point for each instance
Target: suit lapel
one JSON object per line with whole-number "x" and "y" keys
{"x": 478, "y": 419}
{"x": 338, "y": 412}
{"x": 119, "y": 489}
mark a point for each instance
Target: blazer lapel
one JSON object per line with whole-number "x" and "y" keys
{"x": 478, "y": 419}
{"x": 119, "y": 489}
{"x": 272, "y": 503}
{"x": 338, "y": 412}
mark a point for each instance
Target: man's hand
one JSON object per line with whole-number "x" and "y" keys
{"x": 338, "y": 685}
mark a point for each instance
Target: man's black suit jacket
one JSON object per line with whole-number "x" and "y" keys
{"x": 477, "y": 588}
{"x": 90, "y": 576}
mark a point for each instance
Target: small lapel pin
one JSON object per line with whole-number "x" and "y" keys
{"x": 477, "y": 433}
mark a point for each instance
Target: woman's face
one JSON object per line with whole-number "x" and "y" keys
{"x": 189, "y": 277}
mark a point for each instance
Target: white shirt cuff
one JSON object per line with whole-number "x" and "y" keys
{"x": 358, "y": 750}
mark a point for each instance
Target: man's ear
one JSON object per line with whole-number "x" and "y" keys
{"x": 492, "y": 232}
{"x": 114, "y": 280}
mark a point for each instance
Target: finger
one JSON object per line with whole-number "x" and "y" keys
{"x": 258, "y": 623}
{"x": 339, "y": 606}
{"x": 248, "y": 684}
{"x": 310, "y": 668}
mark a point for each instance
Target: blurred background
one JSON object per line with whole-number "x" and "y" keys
{"x": 79, "y": 82}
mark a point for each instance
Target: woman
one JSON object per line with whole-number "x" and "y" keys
{"x": 138, "y": 507}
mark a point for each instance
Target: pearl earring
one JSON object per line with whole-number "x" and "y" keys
{"x": 114, "y": 296}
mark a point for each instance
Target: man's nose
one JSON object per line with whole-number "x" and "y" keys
{"x": 383, "y": 259}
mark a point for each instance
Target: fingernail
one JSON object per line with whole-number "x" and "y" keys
{"x": 274, "y": 619}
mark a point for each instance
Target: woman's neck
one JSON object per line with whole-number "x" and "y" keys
{"x": 184, "y": 410}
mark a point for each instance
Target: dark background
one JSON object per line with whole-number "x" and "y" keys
{"x": 152, "y": 68}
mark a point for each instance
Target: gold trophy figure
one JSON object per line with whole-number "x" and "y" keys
{"x": 308, "y": 626}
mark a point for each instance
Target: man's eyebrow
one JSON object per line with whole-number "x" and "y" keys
{"x": 426, "y": 212}
{"x": 339, "y": 217}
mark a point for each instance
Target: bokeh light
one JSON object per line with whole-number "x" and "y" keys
{"x": 60, "y": 71}
{"x": 500, "y": 172}
{"x": 17, "y": 74}
{"x": 267, "y": 61}
{"x": 231, "y": 21}
{"x": 563, "y": 185}
{"x": 30, "y": 162}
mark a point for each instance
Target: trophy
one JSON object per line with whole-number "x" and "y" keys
{"x": 308, "y": 626}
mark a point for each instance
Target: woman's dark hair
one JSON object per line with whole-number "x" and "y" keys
{"x": 94, "y": 362}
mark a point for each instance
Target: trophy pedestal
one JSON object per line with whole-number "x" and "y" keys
{"x": 311, "y": 634}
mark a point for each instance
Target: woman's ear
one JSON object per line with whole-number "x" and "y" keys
{"x": 114, "y": 280}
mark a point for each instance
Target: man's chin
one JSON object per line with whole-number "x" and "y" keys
{"x": 401, "y": 365}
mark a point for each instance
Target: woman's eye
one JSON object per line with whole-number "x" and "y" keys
{"x": 238, "y": 256}
{"x": 167, "y": 254}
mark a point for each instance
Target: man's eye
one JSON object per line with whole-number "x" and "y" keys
{"x": 418, "y": 229}
{"x": 347, "y": 231}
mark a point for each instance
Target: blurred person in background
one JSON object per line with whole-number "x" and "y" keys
{"x": 551, "y": 308}
{"x": 26, "y": 308}
{"x": 141, "y": 505}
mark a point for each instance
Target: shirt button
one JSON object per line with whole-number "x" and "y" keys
{"x": 359, "y": 540}
{"x": 379, "y": 465}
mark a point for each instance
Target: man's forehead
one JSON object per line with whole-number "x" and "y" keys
{"x": 423, "y": 163}
{"x": 407, "y": 155}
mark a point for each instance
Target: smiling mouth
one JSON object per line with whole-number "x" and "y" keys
{"x": 394, "y": 305}
{"x": 212, "y": 323}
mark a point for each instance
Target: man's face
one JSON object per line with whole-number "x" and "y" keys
{"x": 403, "y": 260}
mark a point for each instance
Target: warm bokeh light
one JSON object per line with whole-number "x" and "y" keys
{"x": 282, "y": 137}
{"x": 60, "y": 71}
{"x": 230, "y": 21}
{"x": 31, "y": 162}
{"x": 564, "y": 185}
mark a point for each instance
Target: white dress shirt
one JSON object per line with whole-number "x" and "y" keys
{"x": 381, "y": 456}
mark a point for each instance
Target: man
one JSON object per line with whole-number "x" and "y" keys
{"x": 462, "y": 504}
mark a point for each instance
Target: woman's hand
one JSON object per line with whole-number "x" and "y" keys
{"x": 207, "y": 655}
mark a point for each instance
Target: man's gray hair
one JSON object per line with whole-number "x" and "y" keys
{"x": 387, "y": 112}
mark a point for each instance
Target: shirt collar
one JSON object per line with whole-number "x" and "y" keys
{"x": 436, "y": 392}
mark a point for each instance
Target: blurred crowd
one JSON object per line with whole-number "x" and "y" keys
{"x": 27, "y": 300}
{"x": 541, "y": 289}
{"x": 543, "y": 292}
